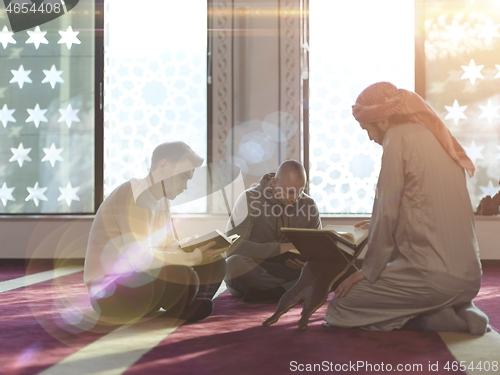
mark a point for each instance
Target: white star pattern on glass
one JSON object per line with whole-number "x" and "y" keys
{"x": 37, "y": 37}
{"x": 455, "y": 31}
{"x": 69, "y": 194}
{"x": 489, "y": 190}
{"x": 489, "y": 31}
{"x": 498, "y": 74}
{"x": 6, "y": 115}
{"x": 6, "y": 194}
{"x": 472, "y": 71}
{"x": 52, "y": 154}
{"x": 53, "y": 76}
{"x": 37, "y": 115}
{"x": 20, "y": 154}
{"x": 69, "y": 37}
{"x": 69, "y": 115}
{"x": 36, "y": 194}
{"x": 455, "y": 112}
{"x": 474, "y": 152}
{"x": 490, "y": 111}
{"x": 21, "y": 76}
{"x": 6, "y": 37}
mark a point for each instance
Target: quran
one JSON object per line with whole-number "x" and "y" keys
{"x": 334, "y": 243}
{"x": 221, "y": 240}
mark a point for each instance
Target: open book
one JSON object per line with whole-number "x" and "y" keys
{"x": 354, "y": 236}
{"x": 221, "y": 240}
{"x": 330, "y": 244}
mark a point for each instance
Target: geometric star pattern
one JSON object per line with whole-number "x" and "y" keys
{"x": 37, "y": 115}
{"x": 455, "y": 112}
{"x": 472, "y": 71}
{"x": 6, "y": 193}
{"x": 489, "y": 189}
{"x": 21, "y": 76}
{"x": 455, "y": 31}
{"x": 42, "y": 71}
{"x": 490, "y": 111}
{"x": 52, "y": 154}
{"x": 470, "y": 110}
{"x": 20, "y": 154}
{"x": 69, "y": 37}
{"x": 489, "y": 31}
{"x": 68, "y": 115}
{"x": 68, "y": 193}
{"x": 6, "y": 115}
{"x": 53, "y": 76}
{"x": 37, "y": 37}
{"x": 474, "y": 152}
{"x": 461, "y": 53}
{"x": 36, "y": 194}
{"x": 6, "y": 37}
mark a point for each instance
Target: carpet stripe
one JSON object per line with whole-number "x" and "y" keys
{"x": 473, "y": 350}
{"x": 114, "y": 353}
{"x": 36, "y": 278}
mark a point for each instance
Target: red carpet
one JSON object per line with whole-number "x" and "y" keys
{"x": 488, "y": 298}
{"x": 34, "y": 336}
{"x": 233, "y": 341}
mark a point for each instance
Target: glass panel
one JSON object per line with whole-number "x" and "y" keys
{"x": 352, "y": 45}
{"x": 462, "y": 50}
{"x": 155, "y": 84}
{"x": 47, "y": 112}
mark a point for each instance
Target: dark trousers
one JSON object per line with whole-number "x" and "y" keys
{"x": 135, "y": 295}
{"x": 172, "y": 288}
{"x": 211, "y": 276}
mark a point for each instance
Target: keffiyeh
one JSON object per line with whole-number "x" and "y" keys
{"x": 381, "y": 100}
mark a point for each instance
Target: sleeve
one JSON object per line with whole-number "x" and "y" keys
{"x": 148, "y": 245}
{"x": 314, "y": 218}
{"x": 244, "y": 217}
{"x": 390, "y": 186}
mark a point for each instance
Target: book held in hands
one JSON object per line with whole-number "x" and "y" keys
{"x": 221, "y": 240}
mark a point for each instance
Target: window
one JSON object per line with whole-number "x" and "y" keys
{"x": 47, "y": 114}
{"x": 352, "y": 44}
{"x": 462, "y": 50}
{"x": 155, "y": 84}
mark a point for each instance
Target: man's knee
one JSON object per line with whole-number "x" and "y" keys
{"x": 178, "y": 274}
{"x": 238, "y": 265}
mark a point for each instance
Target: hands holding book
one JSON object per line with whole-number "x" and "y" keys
{"x": 296, "y": 264}
{"x": 287, "y": 247}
